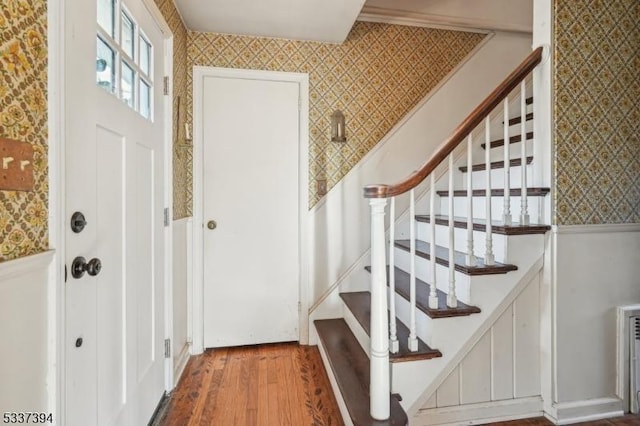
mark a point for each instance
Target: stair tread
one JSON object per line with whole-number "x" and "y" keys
{"x": 350, "y": 366}
{"x": 442, "y": 258}
{"x": 497, "y": 192}
{"x": 497, "y": 226}
{"x": 402, "y": 280}
{"x": 518, "y": 120}
{"x": 514, "y": 162}
{"x": 513, "y": 139}
{"x": 359, "y": 303}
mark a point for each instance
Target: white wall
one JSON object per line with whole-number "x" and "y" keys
{"x": 340, "y": 222}
{"x": 596, "y": 269}
{"x": 25, "y": 354}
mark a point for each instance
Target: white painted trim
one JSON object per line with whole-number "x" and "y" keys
{"x": 481, "y": 413}
{"x": 199, "y": 73}
{"x": 587, "y": 410}
{"x": 623, "y": 384}
{"x": 180, "y": 364}
{"x": 342, "y": 406}
{"x": 56, "y": 161}
{"x": 596, "y": 229}
{"x": 157, "y": 16}
{"x": 14, "y": 268}
{"x": 432, "y": 20}
{"x": 404, "y": 120}
{"x": 189, "y": 278}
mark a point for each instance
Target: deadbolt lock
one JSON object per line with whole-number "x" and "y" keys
{"x": 212, "y": 224}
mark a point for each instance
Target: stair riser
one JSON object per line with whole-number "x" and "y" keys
{"x": 423, "y": 232}
{"x": 423, "y": 272}
{"x": 535, "y": 205}
{"x": 497, "y": 178}
{"x": 497, "y": 153}
{"x": 360, "y": 334}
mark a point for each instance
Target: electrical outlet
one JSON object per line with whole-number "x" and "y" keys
{"x": 322, "y": 186}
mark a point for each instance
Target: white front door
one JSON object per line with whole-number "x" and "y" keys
{"x": 115, "y": 177}
{"x": 250, "y": 137}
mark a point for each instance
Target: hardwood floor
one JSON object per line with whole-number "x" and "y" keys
{"x": 279, "y": 384}
{"x": 273, "y": 385}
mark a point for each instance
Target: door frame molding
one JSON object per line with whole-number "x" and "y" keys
{"x": 197, "y": 290}
{"x": 57, "y": 31}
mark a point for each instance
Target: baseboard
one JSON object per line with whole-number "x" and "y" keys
{"x": 587, "y": 410}
{"x": 334, "y": 386}
{"x": 481, "y": 413}
{"x": 180, "y": 363}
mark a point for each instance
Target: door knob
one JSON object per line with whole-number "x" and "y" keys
{"x": 212, "y": 224}
{"x": 80, "y": 266}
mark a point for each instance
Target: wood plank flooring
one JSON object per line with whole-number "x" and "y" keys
{"x": 279, "y": 384}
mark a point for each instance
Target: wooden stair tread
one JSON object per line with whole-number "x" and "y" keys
{"x": 514, "y": 162}
{"x": 518, "y": 120}
{"x": 513, "y": 139}
{"x": 497, "y": 192}
{"x": 350, "y": 366}
{"x": 497, "y": 227}
{"x": 442, "y": 258}
{"x": 359, "y": 303}
{"x": 402, "y": 280}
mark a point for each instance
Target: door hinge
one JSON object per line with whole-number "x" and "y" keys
{"x": 167, "y": 348}
{"x": 166, "y": 216}
{"x": 166, "y": 85}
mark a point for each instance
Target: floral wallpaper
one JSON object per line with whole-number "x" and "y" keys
{"x": 181, "y": 150}
{"x": 375, "y": 77}
{"x": 597, "y": 111}
{"x": 23, "y": 117}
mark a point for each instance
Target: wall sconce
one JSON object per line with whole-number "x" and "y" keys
{"x": 337, "y": 127}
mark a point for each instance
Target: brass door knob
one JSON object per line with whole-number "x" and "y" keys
{"x": 212, "y": 224}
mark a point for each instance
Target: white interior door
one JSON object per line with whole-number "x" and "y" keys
{"x": 251, "y": 263}
{"x": 115, "y": 178}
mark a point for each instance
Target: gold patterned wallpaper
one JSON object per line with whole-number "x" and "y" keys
{"x": 375, "y": 77}
{"x": 181, "y": 151}
{"x": 23, "y": 116}
{"x": 597, "y": 111}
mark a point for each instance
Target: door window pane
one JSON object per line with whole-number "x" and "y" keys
{"x": 106, "y": 13}
{"x": 145, "y": 99}
{"x": 145, "y": 56}
{"x": 128, "y": 82}
{"x": 105, "y": 69}
{"x": 128, "y": 35}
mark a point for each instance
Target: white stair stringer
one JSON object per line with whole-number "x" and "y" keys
{"x": 455, "y": 337}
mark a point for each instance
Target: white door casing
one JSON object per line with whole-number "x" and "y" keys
{"x": 115, "y": 174}
{"x": 258, "y": 163}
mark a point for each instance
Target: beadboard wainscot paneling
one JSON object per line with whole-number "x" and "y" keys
{"x": 24, "y": 360}
{"x": 499, "y": 378}
{"x": 182, "y": 288}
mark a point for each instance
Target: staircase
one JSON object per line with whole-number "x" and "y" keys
{"x": 443, "y": 277}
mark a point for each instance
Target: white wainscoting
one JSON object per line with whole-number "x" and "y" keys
{"x": 593, "y": 270}
{"x": 24, "y": 358}
{"x": 500, "y": 377}
{"x": 182, "y": 288}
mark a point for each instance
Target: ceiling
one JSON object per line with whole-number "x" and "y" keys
{"x": 331, "y": 20}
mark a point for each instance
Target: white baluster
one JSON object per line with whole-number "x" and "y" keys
{"x": 379, "y": 364}
{"x": 524, "y": 208}
{"x": 471, "y": 258}
{"x": 394, "y": 345}
{"x": 506, "y": 217}
{"x": 433, "y": 294}
{"x": 452, "y": 300}
{"x": 488, "y": 257}
{"x": 413, "y": 338}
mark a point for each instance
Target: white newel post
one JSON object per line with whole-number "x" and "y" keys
{"x": 394, "y": 344}
{"x": 379, "y": 387}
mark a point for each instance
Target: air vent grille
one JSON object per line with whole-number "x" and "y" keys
{"x": 637, "y": 327}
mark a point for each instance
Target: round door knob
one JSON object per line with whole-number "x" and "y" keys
{"x": 212, "y": 224}
{"x": 80, "y": 266}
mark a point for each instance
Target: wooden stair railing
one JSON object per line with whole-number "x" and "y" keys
{"x": 380, "y": 340}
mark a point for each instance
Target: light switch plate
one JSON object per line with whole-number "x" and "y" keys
{"x": 16, "y": 165}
